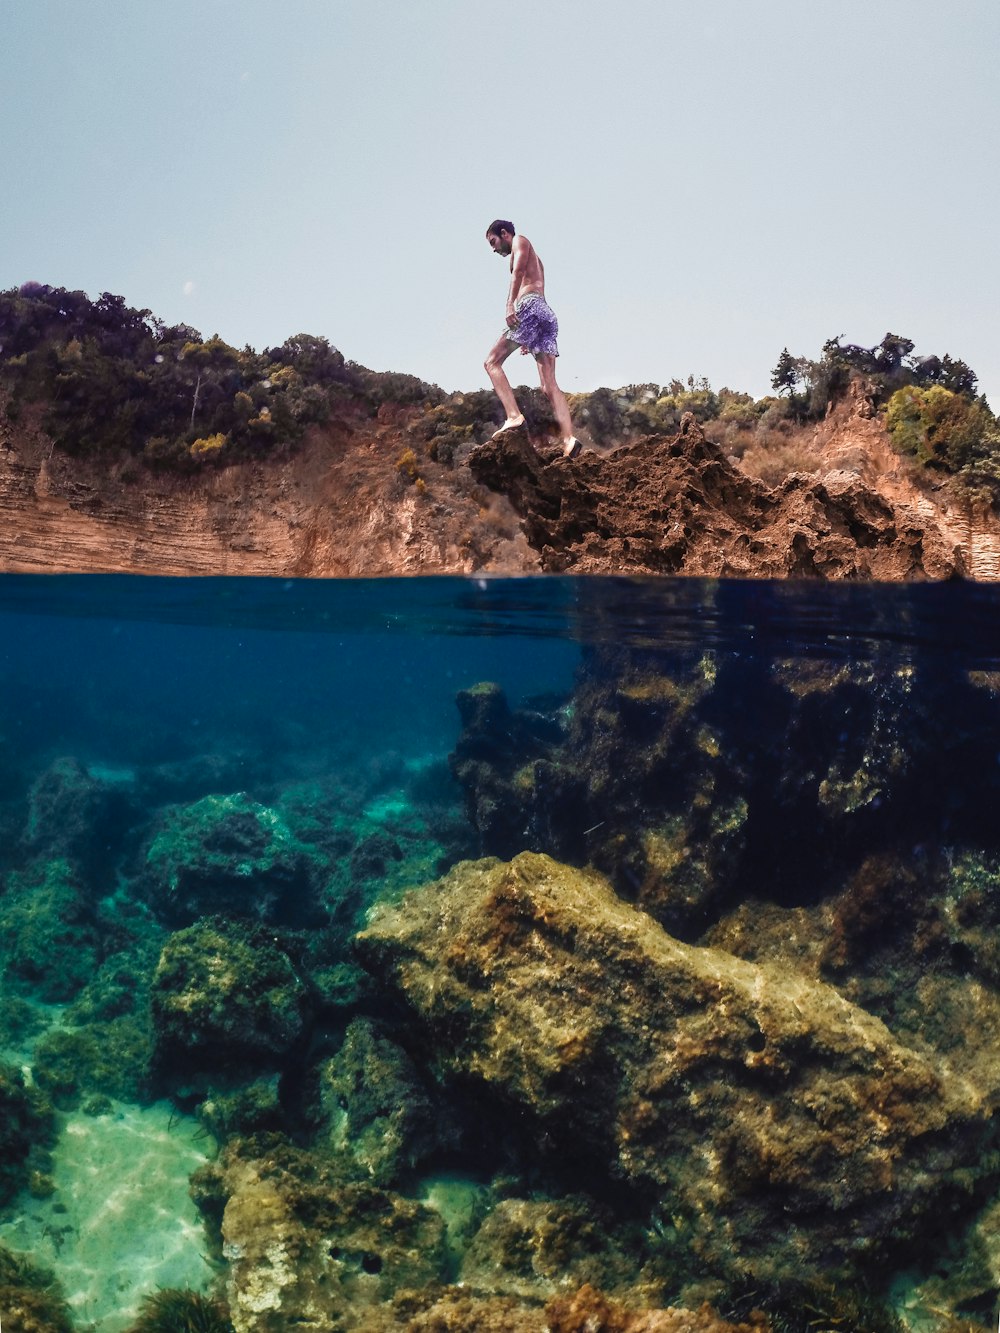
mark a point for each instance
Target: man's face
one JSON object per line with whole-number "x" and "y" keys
{"x": 500, "y": 245}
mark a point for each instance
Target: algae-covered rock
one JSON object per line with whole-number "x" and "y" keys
{"x": 692, "y": 777}
{"x": 252, "y": 1108}
{"x": 111, "y": 1058}
{"x": 27, "y": 1131}
{"x": 75, "y": 815}
{"x": 535, "y": 1249}
{"x": 307, "y": 1250}
{"x": 456, "y": 1309}
{"x": 746, "y": 1100}
{"x": 225, "y": 997}
{"x": 30, "y": 1298}
{"x": 634, "y": 777}
{"x": 228, "y": 855}
{"x": 373, "y": 1106}
{"x": 48, "y": 925}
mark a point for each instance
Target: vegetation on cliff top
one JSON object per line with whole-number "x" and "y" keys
{"x": 112, "y": 380}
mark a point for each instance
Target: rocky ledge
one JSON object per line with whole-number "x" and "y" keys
{"x": 680, "y": 506}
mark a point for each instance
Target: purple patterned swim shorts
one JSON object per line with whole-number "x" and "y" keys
{"x": 536, "y": 327}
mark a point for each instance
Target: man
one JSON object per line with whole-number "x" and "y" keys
{"x": 532, "y": 326}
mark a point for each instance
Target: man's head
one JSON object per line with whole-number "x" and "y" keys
{"x": 500, "y": 235}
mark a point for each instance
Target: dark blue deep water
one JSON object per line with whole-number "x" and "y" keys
{"x": 226, "y": 776}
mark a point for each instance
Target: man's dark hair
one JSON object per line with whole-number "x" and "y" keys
{"x": 495, "y": 228}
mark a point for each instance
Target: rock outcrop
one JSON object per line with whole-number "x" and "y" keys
{"x": 679, "y": 506}
{"x": 745, "y": 1100}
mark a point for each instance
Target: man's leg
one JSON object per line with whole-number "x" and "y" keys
{"x": 557, "y": 400}
{"x": 499, "y": 353}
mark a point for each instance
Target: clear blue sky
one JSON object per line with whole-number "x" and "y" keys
{"x": 707, "y": 181}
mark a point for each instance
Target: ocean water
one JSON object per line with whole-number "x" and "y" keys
{"x": 246, "y": 1052}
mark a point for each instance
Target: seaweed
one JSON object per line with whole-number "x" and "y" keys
{"x": 173, "y": 1310}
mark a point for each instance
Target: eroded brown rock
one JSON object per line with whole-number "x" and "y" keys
{"x": 680, "y": 506}
{"x": 308, "y": 1250}
{"x": 747, "y": 1100}
{"x": 455, "y": 1310}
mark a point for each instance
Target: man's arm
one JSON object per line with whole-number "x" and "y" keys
{"x": 519, "y": 256}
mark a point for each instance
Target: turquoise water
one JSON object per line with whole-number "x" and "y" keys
{"x": 209, "y": 788}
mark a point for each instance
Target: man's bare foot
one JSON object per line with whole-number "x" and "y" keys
{"x": 571, "y": 447}
{"x": 511, "y": 423}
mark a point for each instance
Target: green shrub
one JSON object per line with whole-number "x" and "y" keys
{"x": 939, "y": 427}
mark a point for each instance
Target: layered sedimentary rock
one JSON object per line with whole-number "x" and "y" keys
{"x": 740, "y": 1098}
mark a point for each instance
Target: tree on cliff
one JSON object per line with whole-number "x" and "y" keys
{"x": 786, "y": 373}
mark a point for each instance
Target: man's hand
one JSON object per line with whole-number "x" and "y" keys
{"x": 511, "y": 318}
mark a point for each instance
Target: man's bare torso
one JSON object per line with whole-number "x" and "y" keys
{"x": 529, "y": 269}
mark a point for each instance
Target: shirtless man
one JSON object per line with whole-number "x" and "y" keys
{"x": 532, "y": 326}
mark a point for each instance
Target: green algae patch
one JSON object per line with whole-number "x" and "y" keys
{"x": 27, "y": 1131}
{"x": 51, "y": 941}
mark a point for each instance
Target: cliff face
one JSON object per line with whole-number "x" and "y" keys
{"x": 339, "y": 507}
{"x": 351, "y": 502}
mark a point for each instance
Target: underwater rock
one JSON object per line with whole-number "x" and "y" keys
{"x": 30, "y": 1298}
{"x": 226, "y": 999}
{"x": 253, "y": 1108}
{"x": 373, "y": 1107}
{"x": 746, "y": 1102}
{"x": 74, "y": 815}
{"x": 110, "y": 1058}
{"x": 590, "y": 1308}
{"x": 492, "y": 764}
{"x": 229, "y": 855}
{"x": 635, "y": 781}
{"x": 911, "y": 936}
{"x": 19, "y": 1021}
{"x": 27, "y": 1131}
{"x": 307, "y": 1250}
{"x": 50, "y": 936}
{"x": 121, "y": 985}
{"x": 457, "y": 1310}
{"x": 373, "y": 854}
{"x": 535, "y": 1249}
{"x": 680, "y": 775}
{"x": 179, "y": 781}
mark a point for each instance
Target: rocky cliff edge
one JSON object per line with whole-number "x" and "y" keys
{"x": 361, "y": 498}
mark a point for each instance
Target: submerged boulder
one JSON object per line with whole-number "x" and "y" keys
{"x": 769, "y": 1122}
{"x": 77, "y": 814}
{"x": 49, "y": 929}
{"x": 307, "y": 1249}
{"x": 632, "y": 778}
{"x": 226, "y": 999}
{"x": 374, "y": 1111}
{"x": 229, "y": 855}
